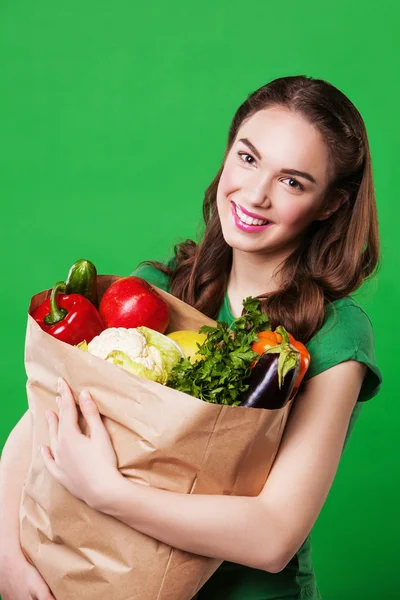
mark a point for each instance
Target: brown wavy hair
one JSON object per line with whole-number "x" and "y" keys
{"x": 336, "y": 255}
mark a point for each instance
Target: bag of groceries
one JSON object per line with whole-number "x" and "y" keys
{"x": 220, "y": 442}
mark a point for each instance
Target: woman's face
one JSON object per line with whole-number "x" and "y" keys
{"x": 259, "y": 182}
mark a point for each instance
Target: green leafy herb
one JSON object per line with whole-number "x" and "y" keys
{"x": 221, "y": 376}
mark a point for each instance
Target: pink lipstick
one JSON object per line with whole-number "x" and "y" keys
{"x": 250, "y": 214}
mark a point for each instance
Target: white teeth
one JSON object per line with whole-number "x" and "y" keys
{"x": 248, "y": 220}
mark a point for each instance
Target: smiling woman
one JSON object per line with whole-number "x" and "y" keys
{"x": 291, "y": 218}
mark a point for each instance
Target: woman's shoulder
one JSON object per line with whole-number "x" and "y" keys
{"x": 346, "y": 334}
{"x": 154, "y": 276}
{"x": 345, "y": 314}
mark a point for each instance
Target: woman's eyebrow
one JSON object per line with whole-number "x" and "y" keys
{"x": 248, "y": 143}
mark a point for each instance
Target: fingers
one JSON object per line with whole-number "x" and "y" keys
{"x": 91, "y": 413}
{"x": 68, "y": 417}
{"x": 67, "y": 422}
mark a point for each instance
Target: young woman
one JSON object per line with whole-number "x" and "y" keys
{"x": 290, "y": 217}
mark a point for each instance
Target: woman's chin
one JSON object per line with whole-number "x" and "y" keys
{"x": 243, "y": 242}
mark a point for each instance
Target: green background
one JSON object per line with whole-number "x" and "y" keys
{"x": 114, "y": 121}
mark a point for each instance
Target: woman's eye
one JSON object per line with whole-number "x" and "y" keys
{"x": 245, "y": 154}
{"x": 297, "y": 184}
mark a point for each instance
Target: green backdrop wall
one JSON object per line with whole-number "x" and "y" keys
{"x": 114, "y": 118}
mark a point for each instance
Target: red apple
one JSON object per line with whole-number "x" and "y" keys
{"x": 131, "y": 302}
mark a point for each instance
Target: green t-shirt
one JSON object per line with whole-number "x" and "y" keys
{"x": 346, "y": 334}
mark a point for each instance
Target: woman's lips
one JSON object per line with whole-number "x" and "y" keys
{"x": 245, "y": 226}
{"x": 250, "y": 214}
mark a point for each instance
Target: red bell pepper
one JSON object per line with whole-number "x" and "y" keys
{"x": 70, "y": 318}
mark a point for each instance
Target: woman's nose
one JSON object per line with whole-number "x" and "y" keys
{"x": 259, "y": 194}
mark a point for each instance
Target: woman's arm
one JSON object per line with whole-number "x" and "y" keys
{"x": 19, "y": 580}
{"x": 15, "y": 461}
{"x": 262, "y": 532}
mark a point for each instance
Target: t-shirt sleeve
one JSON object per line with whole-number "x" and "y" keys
{"x": 347, "y": 334}
{"x": 153, "y": 276}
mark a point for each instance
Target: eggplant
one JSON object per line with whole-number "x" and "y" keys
{"x": 272, "y": 378}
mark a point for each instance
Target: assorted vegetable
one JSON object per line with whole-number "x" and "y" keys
{"x": 68, "y": 317}
{"x": 272, "y": 379}
{"x": 130, "y": 302}
{"x": 140, "y": 351}
{"x": 190, "y": 342}
{"x": 82, "y": 279}
{"x": 220, "y": 377}
{"x": 268, "y": 339}
{"x": 244, "y": 364}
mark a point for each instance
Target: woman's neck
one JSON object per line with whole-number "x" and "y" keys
{"x": 250, "y": 275}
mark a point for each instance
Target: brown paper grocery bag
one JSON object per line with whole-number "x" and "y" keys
{"x": 163, "y": 438}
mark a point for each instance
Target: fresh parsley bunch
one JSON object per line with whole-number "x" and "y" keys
{"x": 221, "y": 376}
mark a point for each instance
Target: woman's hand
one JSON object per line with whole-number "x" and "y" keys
{"x": 85, "y": 466}
{"x": 19, "y": 580}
